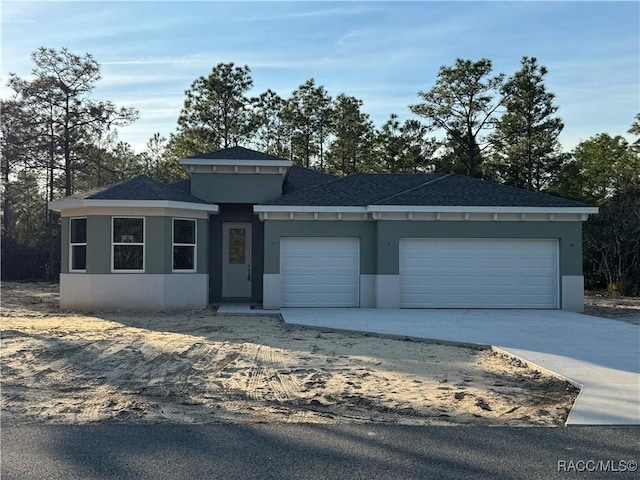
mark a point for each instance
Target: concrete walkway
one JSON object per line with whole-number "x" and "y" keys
{"x": 601, "y": 355}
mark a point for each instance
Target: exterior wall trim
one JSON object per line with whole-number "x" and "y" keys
{"x": 133, "y": 211}
{"x": 480, "y": 209}
{"x": 424, "y": 213}
{"x": 232, "y": 162}
{"x": 75, "y": 203}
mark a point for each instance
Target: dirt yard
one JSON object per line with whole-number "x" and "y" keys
{"x": 197, "y": 367}
{"x": 626, "y": 309}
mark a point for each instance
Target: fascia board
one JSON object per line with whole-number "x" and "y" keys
{"x": 64, "y": 204}
{"x": 423, "y": 209}
{"x": 478, "y": 209}
{"x": 310, "y": 209}
{"x": 239, "y": 163}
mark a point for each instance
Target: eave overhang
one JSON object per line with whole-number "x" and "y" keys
{"x": 76, "y": 203}
{"x": 252, "y": 167}
{"x": 424, "y": 213}
{"x": 250, "y": 163}
{"x": 479, "y": 209}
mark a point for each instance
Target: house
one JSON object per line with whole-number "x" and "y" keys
{"x": 252, "y": 227}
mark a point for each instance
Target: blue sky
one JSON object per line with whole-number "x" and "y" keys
{"x": 380, "y": 52}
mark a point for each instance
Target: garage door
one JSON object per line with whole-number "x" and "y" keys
{"x": 479, "y": 273}
{"x": 319, "y": 272}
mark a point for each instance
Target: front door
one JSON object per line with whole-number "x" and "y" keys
{"x": 236, "y": 260}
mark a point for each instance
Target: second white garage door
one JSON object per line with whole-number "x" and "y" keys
{"x": 478, "y": 273}
{"x": 320, "y": 272}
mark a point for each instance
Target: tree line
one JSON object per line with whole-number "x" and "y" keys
{"x": 57, "y": 140}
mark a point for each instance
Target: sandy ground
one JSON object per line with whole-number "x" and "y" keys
{"x": 197, "y": 367}
{"x": 626, "y": 309}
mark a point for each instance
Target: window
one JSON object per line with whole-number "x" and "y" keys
{"x": 184, "y": 244}
{"x": 236, "y": 245}
{"x": 78, "y": 245}
{"x": 128, "y": 244}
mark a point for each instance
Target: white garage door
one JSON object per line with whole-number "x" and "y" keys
{"x": 479, "y": 273}
{"x": 319, "y": 272}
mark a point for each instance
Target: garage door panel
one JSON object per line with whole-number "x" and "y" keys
{"x": 319, "y": 272}
{"x": 479, "y": 273}
{"x": 335, "y": 282}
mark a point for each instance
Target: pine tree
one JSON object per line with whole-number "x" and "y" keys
{"x": 526, "y": 137}
{"x": 216, "y": 112}
{"x": 463, "y": 103}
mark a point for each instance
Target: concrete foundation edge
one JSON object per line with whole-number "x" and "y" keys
{"x": 109, "y": 292}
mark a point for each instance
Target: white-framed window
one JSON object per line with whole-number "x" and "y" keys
{"x": 127, "y": 244}
{"x": 78, "y": 245}
{"x": 184, "y": 245}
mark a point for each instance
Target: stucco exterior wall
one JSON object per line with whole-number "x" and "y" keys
{"x": 389, "y": 234}
{"x": 379, "y": 240}
{"x": 380, "y": 250}
{"x": 126, "y": 291}
{"x": 236, "y": 188}
{"x": 158, "y": 245}
{"x": 365, "y": 231}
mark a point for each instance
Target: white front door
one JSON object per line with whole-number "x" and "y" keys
{"x": 236, "y": 260}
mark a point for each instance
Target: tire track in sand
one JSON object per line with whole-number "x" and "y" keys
{"x": 269, "y": 379}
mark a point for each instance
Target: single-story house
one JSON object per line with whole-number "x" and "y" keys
{"x": 252, "y": 227}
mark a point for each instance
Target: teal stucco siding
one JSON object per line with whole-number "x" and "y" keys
{"x": 379, "y": 240}
{"x": 274, "y": 230}
{"x": 158, "y": 244}
{"x": 236, "y": 188}
{"x": 569, "y": 235}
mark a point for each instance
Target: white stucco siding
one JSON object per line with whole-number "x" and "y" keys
{"x": 111, "y": 292}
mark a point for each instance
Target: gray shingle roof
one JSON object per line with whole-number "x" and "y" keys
{"x": 459, "y": 190}
{"x": 418, "y": 189}
{"x": 303, "y": 187}
{"x": 355, "y": 190}
{"x": 299, "y": 178}
{"x": 236, "y": 153}
{"x": 182, "y": 185}
{"x": 140, "y": 188}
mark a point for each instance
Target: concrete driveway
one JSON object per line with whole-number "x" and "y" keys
{"x": 601, "y": 355}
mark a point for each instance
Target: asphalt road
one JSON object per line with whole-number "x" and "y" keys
{"x": 270, "y": 451}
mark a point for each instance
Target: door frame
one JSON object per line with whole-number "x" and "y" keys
{"x": 226, "y": 270}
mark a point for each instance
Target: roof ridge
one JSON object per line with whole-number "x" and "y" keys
{"x": 220, "y": 154}
{"x": 182, "y": 192}
{"x": 87, "y": 194}
{"x": 153, "y": 184}
{"x": 410, "y": 189}
{"x": 336, "y": 179}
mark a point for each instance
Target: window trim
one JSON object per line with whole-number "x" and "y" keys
{"x": 72, "y": 244}
{"x": 194, "y": 245}
{"x": 113, "y": 244}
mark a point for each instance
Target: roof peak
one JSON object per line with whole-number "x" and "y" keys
{"x": 235, "y": 153}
